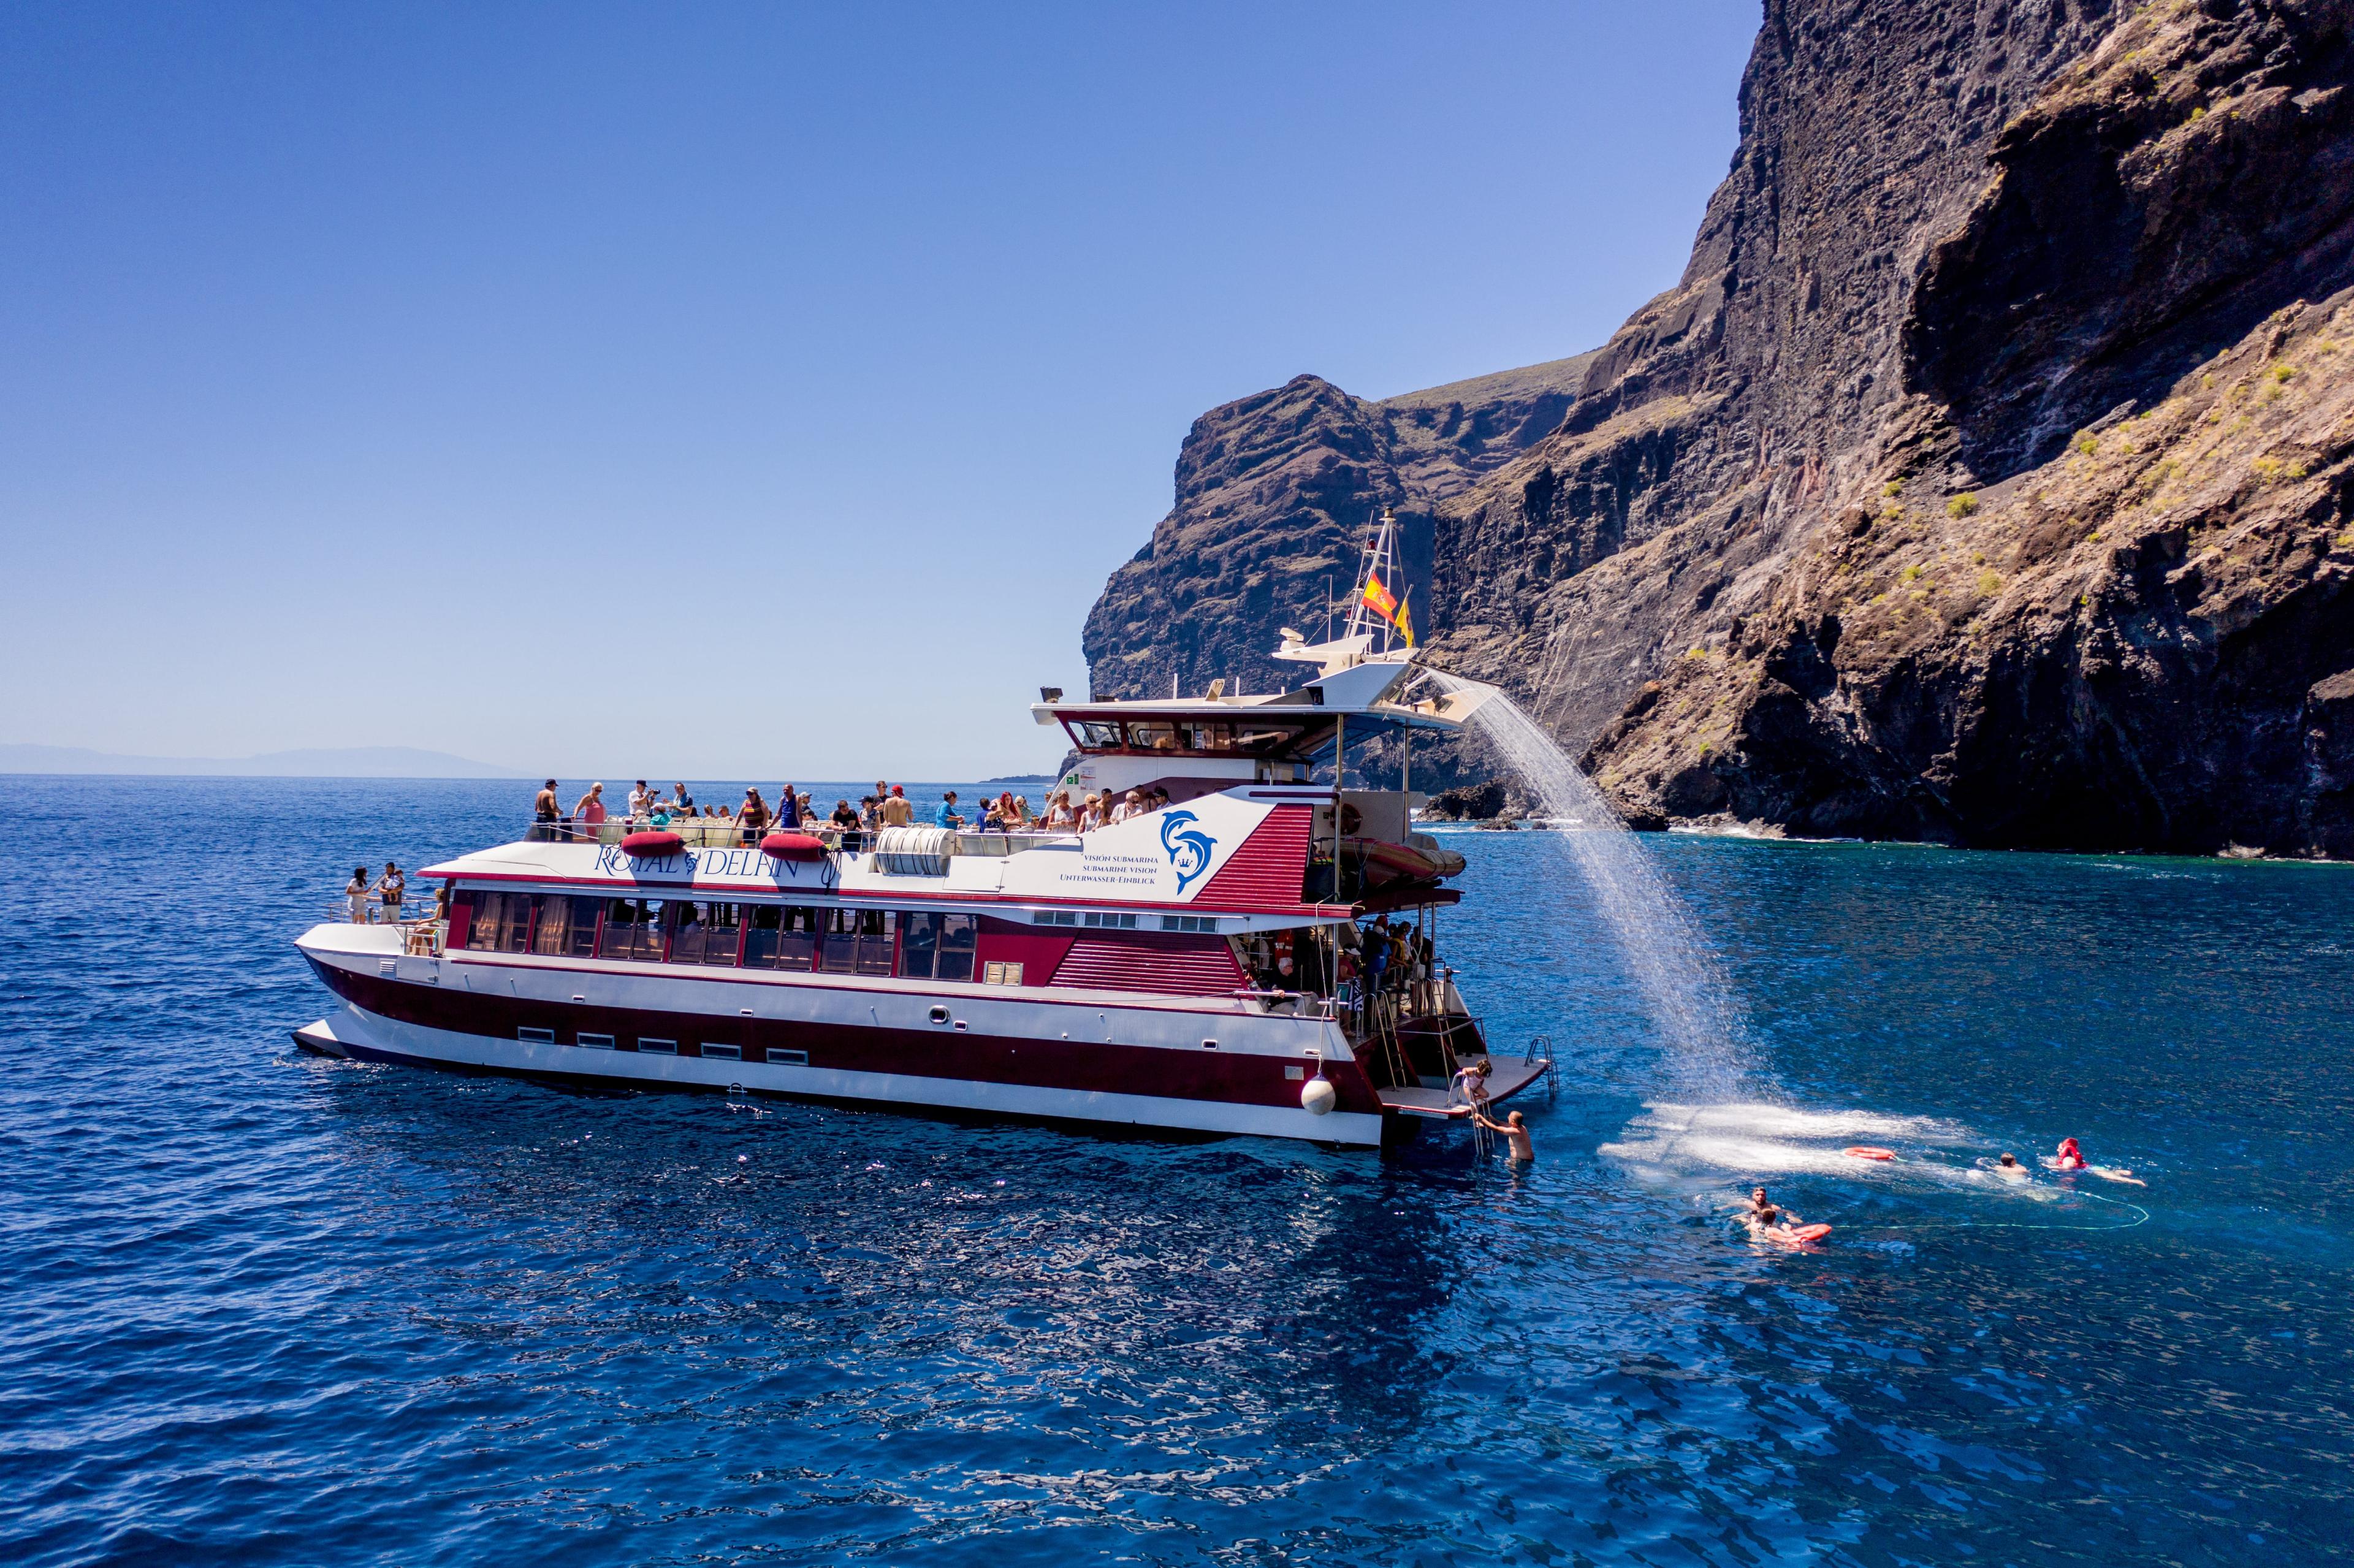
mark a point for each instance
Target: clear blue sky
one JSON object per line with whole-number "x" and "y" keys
{"x": 717, "y": 391}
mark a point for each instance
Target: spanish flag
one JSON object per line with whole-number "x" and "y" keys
{"x": 1386, "y": 605}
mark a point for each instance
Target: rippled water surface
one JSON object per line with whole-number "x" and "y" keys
{"x": 259, "y": 1308}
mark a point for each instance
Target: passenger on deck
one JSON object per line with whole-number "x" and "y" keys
{"x": 589, "y": 809}
{"x": 788, "y": 808}
{"x": 1471, "y": 1083}
{"x": 843, "y": 817}
{"x": 1058, "y": 810}
{"x": 870, "y": 813}
{"x": 681, "y": 802}
{"x": 1130, "y": 805}
{"x": 391, "y": 888}
{"x": 543, "y": 812}
{"x": 895, "y": 810}
{"x": 659, "y": 815}
{"x": 356, "y": 892}
{"x": 752, "y": 816}
{"x": 1021, "y": 817}
{"x": 641, "y": 799}
{"x": 946, "y": 816}
{"x": 1156, "y": 798}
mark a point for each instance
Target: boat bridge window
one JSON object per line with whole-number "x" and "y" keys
{"x": 1189, "y": 922}
{"x": 1110, "y": 918}
{"x": 633, "y": 929}
{"x": 938, "y": 946}
{"x": 564, "y": 927}
{"x": 703, "y": 932}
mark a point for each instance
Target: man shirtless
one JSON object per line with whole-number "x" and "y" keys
{"x": 896, "y": 811}
{"x": 1518, "y": 1148}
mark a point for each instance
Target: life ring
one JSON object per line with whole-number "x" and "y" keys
{"x": 793, "y": 846}
{"x": 1351, "y": 820}
{"x": 1866, "y": 1151}
{"x": 653, "y": 844}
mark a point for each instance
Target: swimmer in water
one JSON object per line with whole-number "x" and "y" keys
{"x": 2009, "y": 1169}
{"x": 1518, "y": 1148}
{"x": 2071, "y": 1157}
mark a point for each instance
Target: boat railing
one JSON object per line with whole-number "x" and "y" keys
{"x": 721, "y": 832}
{"x": 422, "y": 933}
{"x": 1304, "y": 1004}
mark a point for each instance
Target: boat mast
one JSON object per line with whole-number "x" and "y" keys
{"x": 1381, "y": 559}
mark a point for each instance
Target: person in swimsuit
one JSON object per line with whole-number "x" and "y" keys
{"x": 2069, "y": 1156}
{"x": 543, "y": 813}
{"x": 356, "y": 892}
{"x": 589, "y": 809}
{"x": 752, "y": 816}
{"x": 1518, "y": 1146}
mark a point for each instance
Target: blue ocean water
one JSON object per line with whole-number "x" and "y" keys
{"x": 258, "y": 1307}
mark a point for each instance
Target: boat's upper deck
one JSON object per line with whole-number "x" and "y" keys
{"x": 1243, "y": 853}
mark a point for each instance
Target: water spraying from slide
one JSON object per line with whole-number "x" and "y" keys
{"x": 1708, "y": 1043}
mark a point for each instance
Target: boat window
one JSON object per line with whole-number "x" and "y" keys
{"x": 1189, "y": 922}
{"x": 502, "y": 923}
{"x": 1055, "y": 918}
{"x": 633, "y": 929}
{"x": 1096, "y": 734}
{"x": 858, "y": 941}
{"x": 657, "y": 1047}
{"x": 1209, "y": 736}
{"x": 1152, "y": 737}
{"x": 938, "y": 946}
{"x": 703, "y": 932}
{"x": 564, "y": 927}
{"x": 780, "y": 937}
{"x": 1118, "y": 922}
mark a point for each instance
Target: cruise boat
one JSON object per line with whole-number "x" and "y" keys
{"x": 1204, "y": 967}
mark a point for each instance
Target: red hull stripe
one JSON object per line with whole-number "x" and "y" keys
{"x": 1089, "y": 1067}
{"x": 1263, "y": 875}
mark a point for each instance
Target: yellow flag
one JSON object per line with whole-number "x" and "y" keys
{"x": 1405, "y": 621}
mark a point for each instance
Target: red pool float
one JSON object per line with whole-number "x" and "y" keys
{"x": 1866, "y": 1151}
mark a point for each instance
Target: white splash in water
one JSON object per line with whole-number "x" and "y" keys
{"x": 1687, "y": 994}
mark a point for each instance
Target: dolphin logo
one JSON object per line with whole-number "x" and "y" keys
{"x": 1189, "y": 847}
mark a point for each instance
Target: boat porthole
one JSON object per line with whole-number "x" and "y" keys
{"x": 1209, "y": 1044}
{"x": 940, "y": 1015}
{"x": 960, "y": 1023}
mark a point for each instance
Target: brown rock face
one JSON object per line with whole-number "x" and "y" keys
{"x": 1985, "y": 477}
{"x": 1274, "y": 495}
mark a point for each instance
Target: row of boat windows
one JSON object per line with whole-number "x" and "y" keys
{"x": 1119, "y": 920}
{"x": 649, "y": 1045}
{"x": 725, "y": 934}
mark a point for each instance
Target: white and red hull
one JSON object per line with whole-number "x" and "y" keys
{"x": 1118, "y": 1058}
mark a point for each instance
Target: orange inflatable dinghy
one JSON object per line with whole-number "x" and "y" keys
{"x": 1866, "y": 1151}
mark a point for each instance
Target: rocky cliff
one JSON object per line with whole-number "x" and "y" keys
{"x": 1984, "y": 479}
